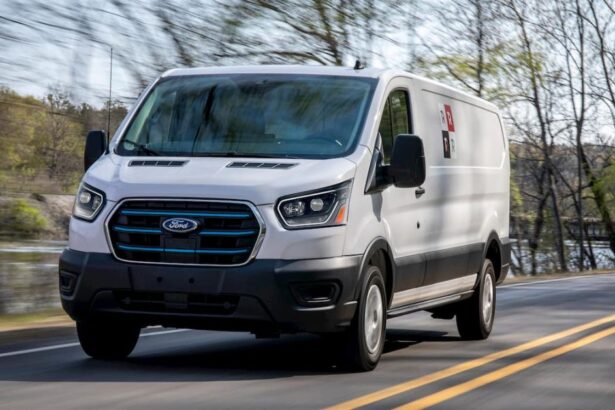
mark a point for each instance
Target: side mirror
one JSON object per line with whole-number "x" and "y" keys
{"x": 95, "y": 146}
{"x": 407, "y": 167}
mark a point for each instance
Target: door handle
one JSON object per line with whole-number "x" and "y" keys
{"x": 419, "y": 191}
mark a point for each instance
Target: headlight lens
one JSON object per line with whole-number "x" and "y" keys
{"x": 88, "y": 202}
{"x": 326, "y": 207}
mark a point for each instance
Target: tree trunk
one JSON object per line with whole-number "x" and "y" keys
{"x": 600, "y": 198}
{"x": 534, "y": 240}
{"x": 559, "y": 234}
{"x": 589, "y": 250}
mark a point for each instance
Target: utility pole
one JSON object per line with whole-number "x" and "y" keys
{"x": 580, "y": 199}
{"x": 109, "y": 102}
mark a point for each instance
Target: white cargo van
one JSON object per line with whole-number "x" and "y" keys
{"x": 277, "y": 199}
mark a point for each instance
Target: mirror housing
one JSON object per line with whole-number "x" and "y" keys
{"x": 95, "y": 147}
{"x": 407, "y": 169}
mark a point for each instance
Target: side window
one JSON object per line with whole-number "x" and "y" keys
{"x": 394, "y": 121}
{"x": 386, "y": 131}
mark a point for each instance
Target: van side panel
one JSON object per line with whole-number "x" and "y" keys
{"x": 467, "y": 182}
{"x": 466, "y": 196}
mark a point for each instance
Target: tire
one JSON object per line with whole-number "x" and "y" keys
{"x": 476, "y": 315}
{"x": 364, "y": 341}
{"x": 107, "y": 340}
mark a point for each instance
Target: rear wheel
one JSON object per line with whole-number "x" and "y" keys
{"x": 365, "y": 339}
{"x": 475, "y": 316}
{"x": 107, "y": 340}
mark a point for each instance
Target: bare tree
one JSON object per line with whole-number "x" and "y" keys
{"x": 60, "y": 137}
{"x": 600, "y": 16}
{"x": 465, "y": 45}
{"x": 538, "y": 92}
{"x": 328, "y": 32}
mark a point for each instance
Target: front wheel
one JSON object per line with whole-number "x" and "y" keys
{"x": 107, "y": 340}
{"x": 365, "y": 338}
{"x": 475, "y": 316}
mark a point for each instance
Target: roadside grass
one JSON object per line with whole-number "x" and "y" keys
{"x": 22, "y": 219}
{"x": 57, "y": 317}
{"x": 44, "y": 318}
{"x": 34, "y": 216}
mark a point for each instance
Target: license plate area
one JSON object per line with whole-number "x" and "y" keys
{"x": 176, "y": 279}
{"x": 180, "y": 250}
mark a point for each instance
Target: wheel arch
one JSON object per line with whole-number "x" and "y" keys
{"x": 378, "y": 252}
{"x": 493, "y": 251}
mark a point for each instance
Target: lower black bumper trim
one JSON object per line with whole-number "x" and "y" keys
{"x": 183, "y": 296}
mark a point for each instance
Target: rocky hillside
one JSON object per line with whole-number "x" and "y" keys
{"x": 41, "y": 216}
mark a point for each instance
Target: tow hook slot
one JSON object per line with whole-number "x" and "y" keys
{"x": 176, "y": 301}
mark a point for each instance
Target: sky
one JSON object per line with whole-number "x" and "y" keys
{"x": 57, "y": 59}
{"x": 93, "y": 78}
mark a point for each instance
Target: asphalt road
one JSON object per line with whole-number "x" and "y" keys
{"x": 553, "y": 346}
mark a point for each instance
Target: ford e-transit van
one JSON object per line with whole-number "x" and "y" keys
{"x": 276, "y": 199}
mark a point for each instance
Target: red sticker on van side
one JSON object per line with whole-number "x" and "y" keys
{"x": 449, "y": 118}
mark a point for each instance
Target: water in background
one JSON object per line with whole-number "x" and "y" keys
{"x": 547, "y": 257}
{"x": 29, "y": 275}
{"x": 29, "y": 272}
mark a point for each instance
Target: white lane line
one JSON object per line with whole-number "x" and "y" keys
{"x": 66, "y": 345}
{"x": 538, "y": 282}
{"x": 38, "y": 349}
{"x": 166, "y": 332}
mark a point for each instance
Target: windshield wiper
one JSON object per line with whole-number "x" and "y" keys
{"x": 143, "y": 148}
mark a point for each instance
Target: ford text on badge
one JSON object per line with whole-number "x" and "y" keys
{"x": 180, "y": 225}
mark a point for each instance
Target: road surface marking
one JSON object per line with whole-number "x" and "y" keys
{"x": 538, "y": 282}
{"x": 66, "y": 345}
{"x": 462, "y": 388}
{"x": 464, "y": 367}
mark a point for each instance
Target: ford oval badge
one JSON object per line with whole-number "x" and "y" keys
{"x": 180, "y": 225}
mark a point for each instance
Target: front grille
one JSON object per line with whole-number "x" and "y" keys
{"x": 226, "y": 234}
{"x": 177, "y": 302}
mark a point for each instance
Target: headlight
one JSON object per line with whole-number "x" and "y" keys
{"x": 325, "y": 207}
{"x": 88, "y": 202}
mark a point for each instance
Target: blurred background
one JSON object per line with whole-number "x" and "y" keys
{"x": 548, "y": 64}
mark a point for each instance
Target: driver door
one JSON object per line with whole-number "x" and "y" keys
{"x": 404, "y": 209}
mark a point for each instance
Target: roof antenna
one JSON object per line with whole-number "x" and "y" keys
{"x": 109, "y": 102}
{"x": 358, "y": 65}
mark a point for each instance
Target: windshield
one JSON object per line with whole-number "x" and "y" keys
{"x": 250, "y": 115}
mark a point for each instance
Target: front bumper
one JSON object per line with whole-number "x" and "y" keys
{"x": 260, "y": 296}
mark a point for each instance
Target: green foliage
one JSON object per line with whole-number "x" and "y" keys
{"x": 21, "y": 219}
{"x": 42, "y": 140}
{"x": 463, "y": 69}
{"x": 606, "y": 183}
{"x": 516, "y": 199}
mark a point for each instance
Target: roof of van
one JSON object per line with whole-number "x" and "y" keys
{"x": 379, "y": 73}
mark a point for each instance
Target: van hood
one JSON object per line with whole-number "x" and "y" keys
{"x": 213, "y": 178}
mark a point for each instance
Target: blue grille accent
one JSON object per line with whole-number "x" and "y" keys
{"x": 136, "y": 230}
{"x": 140, "y": 212}
{"x": 226, "y": 235}
{"x": 187, "y": 251}
{"x": 129, "y": 229}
